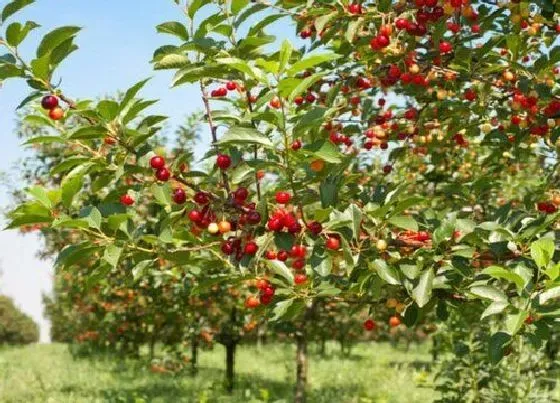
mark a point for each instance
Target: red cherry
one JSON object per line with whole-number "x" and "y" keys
{"x": 355, "y": 8}
{"x": 127, "y": 200}
{"x": 275, "y": 224}
{"x": 296, "y": 145}
{"x": 269, "y": 290}
{"x": 195, "y": 216}
{"x": 251, "y": 248}
{"x": 300, "y": 278}
{"x": 270, "y": 255}
{"x": 253, "y": 217}
{"x": 282, "y": 255}
{"x": 266, "y": 299}
{"x": 298, "y": 251}
{"x": 401, "y": 23}
{"x": 163, "y": 174}
{"x": 369, "y": 325}
{"x": 241, "y": 194}
{"x": 410, "y": 114}
{"x": 223, "y": 161}
{"x": 445, "y": 47}
{"x": 394, "y": 321}
{"x": 157, "y": 162}
{"x": 298, "y": 264}
{"x": 179, "y": 196}
{"x": 470, "y": 95}
{"x": 315, "y": 227}
{"x": 283, "y": 197}
{"x": 333, "y": 243}
{"x": 298, "y": 100}
{"x": 231, "y": 86}
{"x": 49, "y": 102}
{"x": 227, "y": 248}
{"x": 387, "y": 169}
{"x": 201, "y": 198}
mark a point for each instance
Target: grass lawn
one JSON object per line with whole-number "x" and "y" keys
{"x": 373, "y": 373}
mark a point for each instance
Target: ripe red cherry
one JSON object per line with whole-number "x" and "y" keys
{"x": 262, "y": 283}
{"x": 300, "y": 278}
{"x": 269, "y": 290}
{"x": 401, "y": 23}
{"x": 333, "y": 243}
{"x": 195, "y": 216}
{"x": 270, "y": 255}
{"x": 179, "y": 196}
{"x": 251, "y": 248}
{"x": 127, "y": 200}
{"x": 410, "y": 114}
{"x": 163, "y": 174}
{"x": 49, "y": 102}
{"x": 231, "y": 86}
{"x": 369, "y": 325}
{"x": 282, "y": 255}
{"x": 275, "y": 103}
{"x": 157, "y": 162}
{"x": 298, "y": 251}
{"x": 201, "y": 198}
{"x": 223, "y": 161}
{"x": 296, "y": 145}
{"x": 283, "y": 197}
{"x": 315, "y": 227}
{"x": 252, "y": 302}
{"x": 355, "y": 8}
{"x": 56, "y": 113}
{"x": 298, "y": 264}
{"x": 470, "y": 95}
{"x": 445, "y": 47}
{"x": 298, "y": 100}
{"x": 227, "y": 248}
{"x": 275, "y": 224}
{"x": 241, "y": 194}
{"x": 253, "y": 217}
{"x": 422, "y": 236}
{"x": 266, "y": 299}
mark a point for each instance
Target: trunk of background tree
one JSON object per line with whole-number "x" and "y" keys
{"x": 301, "y": 367}
{"x": 434, "y": 349}
{"x": 301, "y": 357}
{"x": 230, "y": 366}
{"x": 152, "y": 346}
{"x": 342, "y": 345}
{"x": 323, "y": 344}
{"x": 194, "y": 355}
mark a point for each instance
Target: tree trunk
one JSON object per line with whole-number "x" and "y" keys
{"x": 152, "y": 346}
{"x": 230, "y": 366}
{"x": 194, "y": 355}
{"x": 323, "y": 346}
{"x": 301, "y": 368}
{"x": 434, "y": 349}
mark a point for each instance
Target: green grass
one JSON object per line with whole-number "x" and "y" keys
{"x": 373, "y": 373}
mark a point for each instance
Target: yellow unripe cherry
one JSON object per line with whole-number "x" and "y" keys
{"x": 213, "y": 228}
{"x": 381, "y": 245}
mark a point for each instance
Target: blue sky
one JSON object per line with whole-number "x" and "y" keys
{"x": 116, "y": 45}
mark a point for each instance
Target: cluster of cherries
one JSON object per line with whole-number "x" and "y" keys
{"x": 266, "y": 294}
{"x": 222, "y": 91}
{"x": 547, "y": 207}
{"x": 50, "y": 103}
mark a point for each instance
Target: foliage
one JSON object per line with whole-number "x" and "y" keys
{"x": 15, "y": 326}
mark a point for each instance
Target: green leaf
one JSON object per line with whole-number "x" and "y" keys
{"x": 389, "y": 274}
{"x": 494, "y": 308}
{"x": 41, "y": 195}
{"x": 13, "y": 7}
{"x": 515, "y": 321}
{"x": 238, "y": 5}
{"x": 542, "y": 251}
{"x": 131, "y": 93}
{"x": 500, "y": 272}
{"x": 304, "y": 85}
{"x": 488, "y": 292}
{"x": 423, "y": 291}
{"x": 284, "y": 55}
{"x": 354, "y": 212}
{"x": 405, "y": 222}
{"x": 244, "y": 67}
{"x": 16, "y": 33}
{"x": 324, "y": 150}
{"x": 281, "y": 269}
{"x": 72, "y": 184}
{"x": 88, "y": 133}
{"x": 93, "y": 217}
{"x": 112, "y": 255}
{"x": 44, "y": 140}
{"x": 174, "y": 28}
{"x": 162, "y": 193}
{"x": 76, "y": 253}
{"x": 108, "y": 109}
{"x": 245, "y": 135}
{"x": 29, "y": 213}
{"x": 54, "y": 38}
{"x": 497, "y": 346}
{"x": 312, "y": 61}
{"x": 195, "y": 5}
{"x": 552, "y": 293}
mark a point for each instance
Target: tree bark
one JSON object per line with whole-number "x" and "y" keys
{"x": 152, "y": 346}
{"x": 230, "y": 366}
{"x": 301, "y": 368}
{"x": 194, "y": 355}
